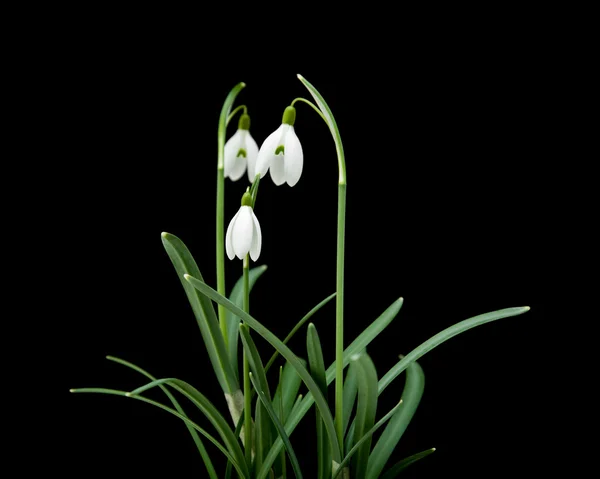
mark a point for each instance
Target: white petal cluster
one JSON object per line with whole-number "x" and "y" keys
{"x": 241, "y": 152}
{"x": 281, "y": 153}
{"x": 243, "y": 235}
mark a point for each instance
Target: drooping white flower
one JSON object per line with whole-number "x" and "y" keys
{"x": 281, "y": 152}
{"x": 240, "y": 152}
{"x": 243, "y": 233}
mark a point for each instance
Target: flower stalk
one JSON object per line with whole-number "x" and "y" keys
{"x": 246, "y": 368}
{"x": 220, "y": 236}
{"x": 341, "y": 228}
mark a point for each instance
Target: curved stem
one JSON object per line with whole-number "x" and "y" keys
{"x": 313, "y": 106}
{"x": 223, "y": 120}
{"x": 232, "y": 114}
{"x": 341, "y": 226}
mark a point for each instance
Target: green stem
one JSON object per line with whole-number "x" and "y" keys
{"x": 232, "y": 114}
{"x": 223, "y": 120}
{"x": 339, "y": 309}
{"x": 311, "y": 104}
{"x": 339, "y": 315}
{"x": 247, "y": 384}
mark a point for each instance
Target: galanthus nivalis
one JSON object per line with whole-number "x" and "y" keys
{"x": 240, "y": 152}
{"x": 243, "y": 233}
{"x": 281, "y": 152}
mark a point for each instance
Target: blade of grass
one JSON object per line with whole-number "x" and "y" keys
{"x": 288, "y": 355}
{"x": 242, "y": 471}
{"x": 205, "y": 457}
{"x": 366, "y": 409}
{"x": 404, "y": 463}
{"x": 232, "y": 321}
{"x": 207, "y": 408}
{"x": 317, "y": 369}
{"x": 266, "y": 402}
{"x": 299, "y": 324}
{"x": 411, "y": 396}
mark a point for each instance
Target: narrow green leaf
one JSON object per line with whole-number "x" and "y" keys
{"x": 205, "y": 314}
{"x": 203, "y": 453}
{"x": 350, "y": 390}
{"x": 366, "y": 409}
{"x": 365, "y": 437}
{"x": 360, "y": 343}
{"x": 253, "y": 356}
{"x": 289, "y": 356}
{"x": 299, "y": 324}
{"x": 242, "y": 471}
{"x": 404, "y": 463}
{"x": 266, "y": 402}
{"x": 233, "y": 322}
{"x": 262, "y": 426}
{"x": 290, "y": 385}
{"x": 207, "y": 408}
{"x": 411, "y": 396}
{"x": 445, "y": 335}
{"x": 317, "y": 369}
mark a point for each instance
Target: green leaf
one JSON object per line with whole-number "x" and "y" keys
{"x": 411, "y": 396}
{"x": 261, "y": 425}
{"x": 207, "y": 408}
{"x": 205, "y": 456}
{"x": 242, "y": 471}
{"x": 367, "y": 436}
{"x": 298, "y": 326}
{"x": 289, "y": 356}
{"x": 404, "y": 463}
{"x": 266, "y": 402}
{"x": 359, "y": 344}
{"x": 445, "y": 335}
{"x": 317, "y": 369}
{"x": 365, "y": 411}
{"x": 350, "y": 390}
{"x": 233, "y": 322}
{"x": 290, "y": 385}
{"x": 205, "y": 314}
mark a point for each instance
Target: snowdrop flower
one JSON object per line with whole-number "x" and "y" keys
{"x": 243, "y": 233}
{"x": 281, "y": 152}
{"x": 240, "y": 152}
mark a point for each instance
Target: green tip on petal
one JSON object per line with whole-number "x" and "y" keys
{"x": 247, "y": 199}
{"x": 244, "y": 123}
{"x": 289, "y": 116}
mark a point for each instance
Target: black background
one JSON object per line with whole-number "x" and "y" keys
{"x": 447, "y": 133}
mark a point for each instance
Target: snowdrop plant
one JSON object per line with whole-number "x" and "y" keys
{"x": 256, "y": 441}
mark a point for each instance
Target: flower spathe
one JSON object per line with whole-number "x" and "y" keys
{"x": 241, "y": 152}
{"x": 243, "y": 234}
{"x": 281, "y": 152}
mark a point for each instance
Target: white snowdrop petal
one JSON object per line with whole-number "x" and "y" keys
{"x": 252, "y": 150}
{"x": 267, "y": 152}
{"x": 238, "y": 168}
{"x": 242, "y": 232}
{"x": 228, "y": 238}
{"x": 256, "y": 239}
{"x": 231, "y": 149}
{"x": 294, "y": 158}
{"x": 278, "y": 170}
